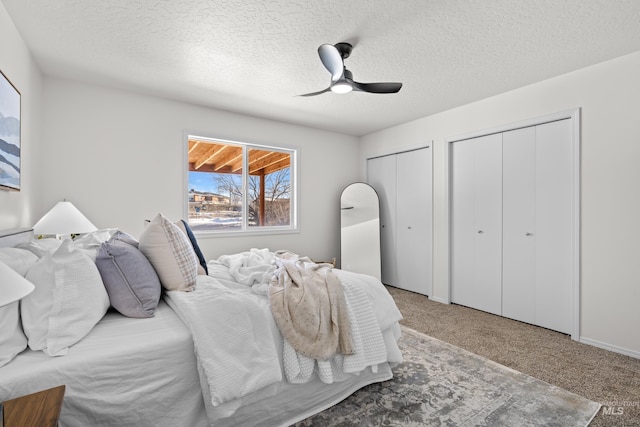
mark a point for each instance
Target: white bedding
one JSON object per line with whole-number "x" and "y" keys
{"x": 282, "y": 402}
{"x": 215, "y": 314}
{"x": 144, "y": 372}
{"x": 126, "y": 372}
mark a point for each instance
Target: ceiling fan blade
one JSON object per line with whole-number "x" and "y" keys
{"x": 332, "y": 60}
{"x": 316, "y": 93}
{"x": 377, "y": 87}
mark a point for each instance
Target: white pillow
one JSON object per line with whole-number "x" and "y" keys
{"x": 41, "y": 247}
{"x": 69, "y": 299}
{"x": 18, "y": 259}
{"x": 171, "y": 254}
{"x": 12, "y": 339}
{"x": 90, "y": 242}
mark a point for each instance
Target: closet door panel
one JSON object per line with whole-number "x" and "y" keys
{"x": 381, "y": 175}
{"x": 477, "y": 222}
{"x": 414, "y": 229}
{"x": 488, "y": 212}
{"x": 462, "y": 200}
{"x": 519, "y": 224}
{"x": 554, "y": 216}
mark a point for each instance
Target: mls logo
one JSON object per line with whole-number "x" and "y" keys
{"x": 612, "y": 410}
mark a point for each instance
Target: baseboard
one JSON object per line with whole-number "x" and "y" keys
{"x": 611, "y": 347}
{"x": 438, "y": 299}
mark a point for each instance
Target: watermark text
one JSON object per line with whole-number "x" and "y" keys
{"x": 617, "y": 407}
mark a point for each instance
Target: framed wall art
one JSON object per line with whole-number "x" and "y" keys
{"x": 9, "y": 135}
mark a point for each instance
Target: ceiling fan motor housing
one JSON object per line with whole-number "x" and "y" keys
{"x": 344, "y": 48}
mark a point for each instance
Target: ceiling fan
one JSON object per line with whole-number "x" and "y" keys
{"x": 332, "y": 57}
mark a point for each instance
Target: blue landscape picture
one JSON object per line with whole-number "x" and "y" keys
{"x": 9, "y": 134}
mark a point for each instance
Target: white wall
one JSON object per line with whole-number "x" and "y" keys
{"x": 608, "y": 95}
{"x": 118, "y": 156}
{"x": 17, "y": 207}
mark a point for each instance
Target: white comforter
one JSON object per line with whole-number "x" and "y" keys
{"x": 233, "y": 340}
{"x": 230, "y": 306}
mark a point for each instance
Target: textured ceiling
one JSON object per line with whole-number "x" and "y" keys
{"x": 254, "y": 56}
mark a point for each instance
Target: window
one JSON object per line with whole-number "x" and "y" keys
{"x": 240, "y": 187}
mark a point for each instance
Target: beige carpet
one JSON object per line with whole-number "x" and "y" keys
{"x": 599, "y": 375}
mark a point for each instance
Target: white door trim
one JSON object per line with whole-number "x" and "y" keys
{"x": 574, "y": 115}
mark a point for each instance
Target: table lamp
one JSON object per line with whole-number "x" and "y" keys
{"x": 12, "y": 285}
{"x": 62, "y": 220}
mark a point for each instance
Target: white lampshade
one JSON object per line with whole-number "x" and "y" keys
{"x": 63, "y": 219}
{"x": 12, "y": 285}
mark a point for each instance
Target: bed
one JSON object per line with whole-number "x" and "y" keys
{"x": 153, "y": 371}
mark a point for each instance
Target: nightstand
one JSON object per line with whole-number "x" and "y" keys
{"x": 41, "y": 409}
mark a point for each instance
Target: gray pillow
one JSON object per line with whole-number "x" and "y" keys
{"x": 125, "y": 237}
{"x": 131, "y": 281}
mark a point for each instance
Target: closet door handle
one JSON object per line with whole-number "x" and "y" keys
{"x": 480, "y": 231}
{"x": 529, "y": 234}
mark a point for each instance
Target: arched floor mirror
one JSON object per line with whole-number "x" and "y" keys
{"x": 360, "y": 230}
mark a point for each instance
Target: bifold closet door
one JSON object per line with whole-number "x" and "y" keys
{"x": 476, "y": 222}
{"x": 381, "y": 175}
{"x": 414, "y": 224}
{"x": 512, "y": 224}
{"x": 519, "y": 225}
{"x": 403, "y": 182}
{"x": 537, "y": 216}
{"x": 555, "y": 224}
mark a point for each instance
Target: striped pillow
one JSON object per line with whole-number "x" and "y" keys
{"x": 203, "y": 270}
{"x": 170, "y": 253}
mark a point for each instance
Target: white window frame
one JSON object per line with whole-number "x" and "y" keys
{"x": 245, "y": 230}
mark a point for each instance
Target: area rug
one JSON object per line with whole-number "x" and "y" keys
{"x": 439, "y": 384}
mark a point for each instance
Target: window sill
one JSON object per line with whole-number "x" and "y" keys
{"x": 206, "y": 234}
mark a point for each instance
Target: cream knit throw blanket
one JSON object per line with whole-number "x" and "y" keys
{"x": 308, "y": 304}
